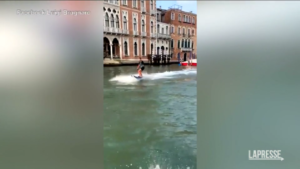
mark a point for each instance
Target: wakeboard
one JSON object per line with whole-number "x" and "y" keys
{"x": 137, "y": 77}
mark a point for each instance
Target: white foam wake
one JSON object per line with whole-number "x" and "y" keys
{"x": 158, "y": 167}
{"x": 128, "y": 79}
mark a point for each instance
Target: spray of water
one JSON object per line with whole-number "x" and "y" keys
{"x": 128, "y": 79}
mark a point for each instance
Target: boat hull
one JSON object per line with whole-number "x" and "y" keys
{"x": 192, "y": 63}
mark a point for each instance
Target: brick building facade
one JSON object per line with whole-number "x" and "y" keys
{"x": 135, "y": 28}
{"x": 183, "y": 32}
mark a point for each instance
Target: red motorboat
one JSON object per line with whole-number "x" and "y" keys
{"x": 192, "y": 62}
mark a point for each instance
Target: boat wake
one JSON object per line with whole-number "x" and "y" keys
{"x": 158, "y": 167}
{"x": 128, "y": 79}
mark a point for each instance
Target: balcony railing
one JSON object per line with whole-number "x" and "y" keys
{"x": 126, "y": 31}
{"x": 164, "y": 36}
{"x": 117, "y": 30}
{"x": 135, "y": 33}
{"x": 186, "y": 49}
{"x": 106, "y": 29}
{"x": 143, "y": 9}
{"x": 112, "y": 30}
{"x": 153, "y": 35}
{"x": 153, "y": 12}
{"x": 191, "y": 35}
{"x": 144, "y": 34}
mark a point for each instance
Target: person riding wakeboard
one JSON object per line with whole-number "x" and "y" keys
{"x": 140, "y": 67}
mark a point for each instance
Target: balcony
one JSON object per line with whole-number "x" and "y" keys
{"x": 143, "y": 9}
{"x": 125, "y": 32}
{"x": 153, "y": 12}
{"x": 184, "y": 49}
{"x": 153, "y": 35}
{"x": 163, "y": 36}
{"x": 112, "y": 30}
{"x": 144, "y": 34}
{"x": 116, "y": 30}
{"x": 190, "y": 35}
{"x": 106, "y": 29}
{"x": 135, "y": 33}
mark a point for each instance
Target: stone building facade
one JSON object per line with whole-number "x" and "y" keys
{"x": 129, "y": 28}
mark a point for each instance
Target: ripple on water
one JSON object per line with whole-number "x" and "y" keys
{"x": 151, "y": 124}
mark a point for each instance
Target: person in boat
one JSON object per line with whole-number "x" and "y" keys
{"x": 140, "y": 67}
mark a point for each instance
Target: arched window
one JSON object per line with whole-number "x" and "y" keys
{"x": 179, "y": 17}
{"x": 173, "y": 16}
{"x": 151, "y": 48}
{"x": 158, "y": 50}
{"x": 157, "y": 28}
{"x": 178, "y": 31}
{"x": 172, "y": 43}
{"x": 142, "y": 3}
{"x": 186, "y": 44}
{"x": 182, "y": 43}
{"x": 151, "y": 2}
{"x": 134, "y": 3}
{"x": 117, "y": 22}
{"x": 135, "y": 48}
{"x": 124, "y": 2}
{"x": 143, "y": 49}
{"x": 143, "y": 26}
{"x": 183, "y": 30}
{"x": 112, "y": 21}
{"x": 178, "y": 44}
{"x": 167, "y": 29}
{"x": 106, "y": 20}
{"x": 125, "y": 48}
{"x": 125, "y": 23}
{"x": 134, "y": 24}
{"x": 151, "y": 27}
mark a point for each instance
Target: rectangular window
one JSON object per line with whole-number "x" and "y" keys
{"x": 173, "y": 16}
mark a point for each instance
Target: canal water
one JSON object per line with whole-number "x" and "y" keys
{"x": 150, "y": 123}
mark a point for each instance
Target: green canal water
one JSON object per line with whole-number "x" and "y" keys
{"x": 150, "y": 123}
